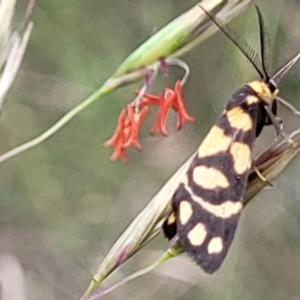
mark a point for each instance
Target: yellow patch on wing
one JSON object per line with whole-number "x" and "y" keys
{"x": 171, "y": 219}
{"x": 185, "y": 212}
{"x": 239, "y": 119}
{"x": 215, "y": 141}
{"x": 215, "y": 245}
{"x": 259, "y": 87}
{"x": 241, "y": 155}
{"x": 225, "y": 210}
{"x": 197, "y": 235}
{"x": 252, "y": 100}
{"x": 209, "y": 178}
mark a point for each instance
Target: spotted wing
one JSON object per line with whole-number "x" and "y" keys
{"x": 207, "y": 204}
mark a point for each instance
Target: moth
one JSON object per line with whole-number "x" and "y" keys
{"x": 207, "y": 204}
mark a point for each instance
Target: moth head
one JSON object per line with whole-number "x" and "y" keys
{"x": 266, "y": 91}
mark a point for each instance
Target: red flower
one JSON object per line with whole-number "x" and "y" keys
{"x": 165, "y": 103}
{"x": 182, "y": 115}
{"x": 118, "y": 138}
{"x": 170, "y": 99}
{"x": 126, "y": 133}
{"x": 131, "y": 118}
{"x": 136, "y": 118}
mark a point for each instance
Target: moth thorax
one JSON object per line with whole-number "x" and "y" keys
{"x": 265, "y": 91}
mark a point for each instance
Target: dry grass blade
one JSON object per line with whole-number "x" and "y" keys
{"x": 12, "y": 47}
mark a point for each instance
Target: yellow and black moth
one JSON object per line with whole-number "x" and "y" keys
{"x": 207, "y": 204}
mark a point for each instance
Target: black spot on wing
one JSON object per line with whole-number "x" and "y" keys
{"x": 240, "y": 96}
{"x": 225, "y": 125}
{"x": 180, "y": 194}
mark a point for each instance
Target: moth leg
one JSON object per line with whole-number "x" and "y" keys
{"x": 277, "y": 123}
{"x": 261, "y": 176}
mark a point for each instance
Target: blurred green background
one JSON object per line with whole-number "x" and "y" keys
{"x": 63, "y": 204}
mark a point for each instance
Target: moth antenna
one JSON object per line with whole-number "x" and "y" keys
{"x": 240, "y": 43}
{"x": 264, "y": 42}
